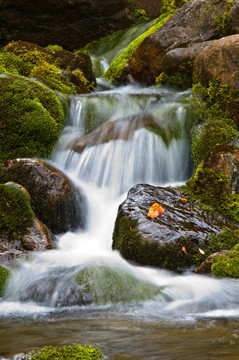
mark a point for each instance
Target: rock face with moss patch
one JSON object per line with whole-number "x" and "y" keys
{"x": 54, "y": 199}
{"x": 20, "y": 230}
{"x": 169, "y": 241}
{"x": 4, "y": 275}
{"x": 59, "y": 69}
{"x": 192, "y": 23}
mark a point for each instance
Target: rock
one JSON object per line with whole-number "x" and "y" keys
{"x": 219, "y": 60}
{"x": 225, "y": 159}
{"x": 206, "y": 266}
{"x": 114, "y": 130}
{"x": 176, "y": 57}
{"x": 54, "y": 199}
{"x": 235, "y": 17}
{"x": 71, "y": 24}
{"x": 38, "y": 238}
{"x": 168, "y": 241}
{"x": 11, "y": 255}
{"x": 192, "y": 23}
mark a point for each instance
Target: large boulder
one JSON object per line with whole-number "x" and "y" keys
{"x": 54, "y": 199}
{"x": 219, "y": 60}
{"x": 192, "y": 23}
{"x": 71, "y": 24}
{"x": 235, "y": 17}
{"x": 169, "y": 241}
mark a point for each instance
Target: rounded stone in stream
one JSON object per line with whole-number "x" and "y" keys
{"x": 169, "y": 241}
{"x": 54, "y": 199}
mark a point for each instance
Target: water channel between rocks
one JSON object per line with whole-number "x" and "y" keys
{"x": 192, "y": 317}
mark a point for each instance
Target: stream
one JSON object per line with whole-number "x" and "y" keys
{"x": 189, "y": 317}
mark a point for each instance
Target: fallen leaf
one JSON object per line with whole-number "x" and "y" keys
{"x": 155, "y": 210}
{"x": 183, "y": 199}
{"x": 201, "y": 251}
{"x": 184, "y": 250}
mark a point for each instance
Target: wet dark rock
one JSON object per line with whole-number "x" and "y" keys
{"x": 116, "y": 129}
{"x": 71, "y": 24}
{"x": 192, "y": 23}
{"x": 38, "y": 238}
{"x": 54, "y": 199}
{"x": 168, "y": 241}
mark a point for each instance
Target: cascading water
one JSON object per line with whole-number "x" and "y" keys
{"x": 83, "y": 279}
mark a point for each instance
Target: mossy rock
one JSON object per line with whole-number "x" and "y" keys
{"x": 59, "y": 69}
{"x": 16, "y": 214}
{"x": 106, "y": 284}
{"x": 226, "y": 265}
{"x": 4, "y": 276}
{"x": 71, "y": 352}
{"x": 31, "y": 119}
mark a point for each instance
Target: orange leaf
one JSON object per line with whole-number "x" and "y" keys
{"x": 155, "y": 210}
{"x": 183, "y": 199}
{"x": 184, "y": 250}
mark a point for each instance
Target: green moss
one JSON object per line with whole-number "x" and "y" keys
{"x": 133, "y": 247}
{"x": 31, "y": 119}
{"x": 54, "y": 48}
{"x": 16, "y": 214}
{"x": 140, "y": 15}
{"x": 182, "y": 77}
{"x": 223, "y": 25}
{"x": 226, "y": 266}
{"x": 52, "y": 76}
{"x": 4, "y": 275}
{"x": 72, "y": 352}
{"x": 114, "y": 71}
{"x": 111, "y": 285}
{"x": 171, "y": 5}
{"x": 218, "y": 117}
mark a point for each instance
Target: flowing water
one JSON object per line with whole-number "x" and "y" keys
{"x": 85, "y": 293}
{"x": 138, "y": 312}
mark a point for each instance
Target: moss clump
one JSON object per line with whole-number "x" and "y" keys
{"x": 225, "y": 240}
{"x": 171, "y": 5}
{"x": 223, "y": 25}
{"x": 16, "y": 214}
{"x": 182, "y": 77}
{"x": 140, "y": 15}
{"x": 52, "y": 65}
{"x": 226, "y": 266}
{"x": 114, "y": 71}
{"x": 111, "y": 285}
{"x": 72, "y": 352}
{"x": 133, "y": 247}
{"x": 54, "y": 48}
{"x": 31, "y": 119}
{"x": 4, "y": 275}
{"x": 218, "y": 123}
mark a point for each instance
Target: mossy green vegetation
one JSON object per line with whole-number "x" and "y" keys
{"x": 182, "y": 77}
{"x": 46, "y": 65}
{"x": 112, "y": 285}
{"x": 223, "y": 26}
{"x": 133, "y": 247}
{"x": 71, "y": 352}
{"x": 172, "y": 5}
{"x": 140, "y": 15}
{"x": 226, "y": 265}
{"x": 16, "y": 214}
{"x": 4, "y": 276}
{"x": 31, "y": 118}
{"x": 114, "y": 71}
{"x": 218, "y": 122}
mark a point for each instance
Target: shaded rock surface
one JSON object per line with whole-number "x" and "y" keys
{"x": 192, "y": 23}
{"x": 169, "y": 240}
{"x": 225, "y": 159}
{"x": 38, "y": 238}
{"x": 71, "y": 24}
{"x": 235, "y": 17}
{"x": 54, "y": 199}
{"x": 116, "y": 129}
{"x": 219, "y": 60}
